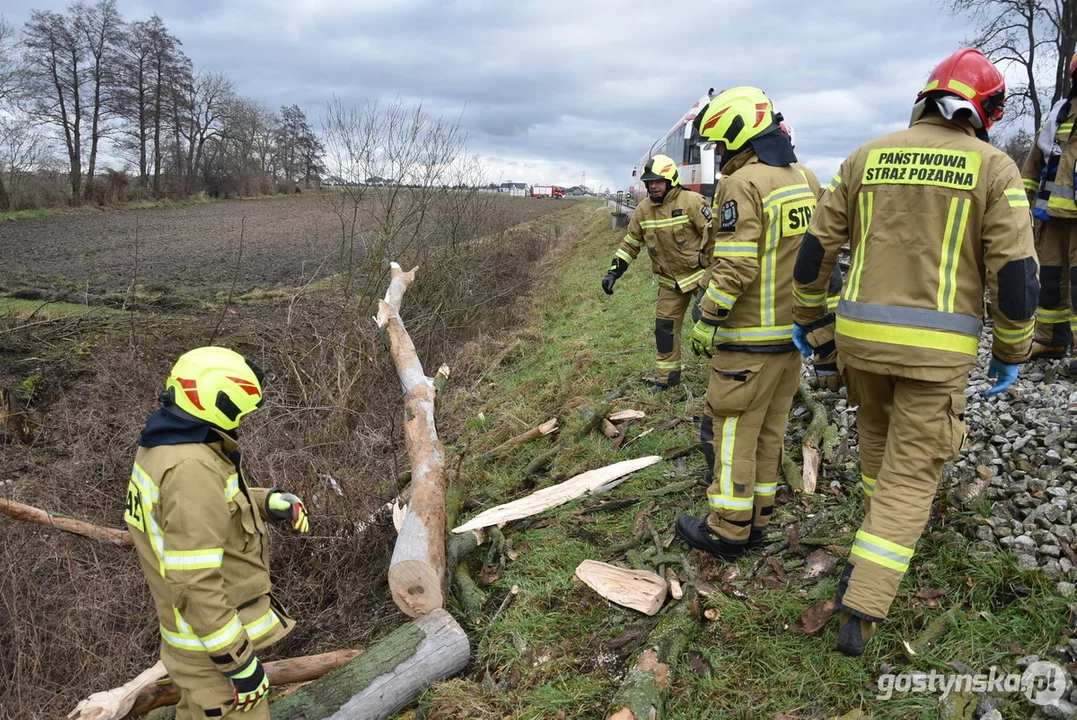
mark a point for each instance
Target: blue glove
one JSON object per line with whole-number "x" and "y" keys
{"x": 800, "y": 339}
{"x": 1006, "y": 374}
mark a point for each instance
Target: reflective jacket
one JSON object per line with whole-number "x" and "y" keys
{"x": 201, "y": 539}
{"x": 675, "y": 232}
{"x": 761, "y": 215}
{"x": 1051, "y": 163}
{"x": 933, "y": 216}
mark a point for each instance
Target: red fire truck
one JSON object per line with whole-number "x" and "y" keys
{"x": 548, "y": 191}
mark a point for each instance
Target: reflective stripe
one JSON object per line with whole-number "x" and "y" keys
{"x": 631, "y": 241}
{"x": 961, "y": 88}
{"x": 193, "y": 559}
{"x": 262, "y": 625}
{"x": 667, "y": 222}
{"x": 834, "y": 183}
{"x": 881, "y": 551}
{"x": 786, "y": 193}
{"x": 1031, "y": 185}
{"x": 867, "y": 205}
{"x": 1063, "y": 129}
{"x": 1062, "y": 191}
{"x": 187, "y": 640}
{"x": 832, "y": 303}
{"x": 623, "y": 255}
{"x": 735, "y": 249}
{"x": 668, "y": 364}
{"x": 149, "y": 494}
{"x": 666, "y": 282}
{"x": 1015, "y": 336}
{"x": 1051, "y": 317}
{"x": 868, "y": 484}
{"x": 181, "y": 640}
{"x": 720, "y": 298}
{"x": 232, "y": 488}
{"x": 223, "y": 637}
{"x": 775, "y": 332}
{"x": 1061, "y": 203}
{"x": 916, "y": 317}
{"x": 808, "y": 299}
{"x": 953, "y": 237}
{"x": 766, "y": 488}
{"x": 145, "y": 484}
{"x": 685, "y": 283}
{"x": 729, "y": 439}
{"x": 1016, "y": 198}
{"x": 907, "y": 337}
{"x": 767, "y": 266}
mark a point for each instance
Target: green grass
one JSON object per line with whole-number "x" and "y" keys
{"x": 548, "y": 651}
{"x": 22, "y": 214}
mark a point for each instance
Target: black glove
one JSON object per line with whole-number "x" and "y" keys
{"x": 608, "y": 281}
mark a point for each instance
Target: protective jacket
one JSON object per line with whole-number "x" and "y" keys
{"x": 676, "y": 233}
{"x": 933, "y": 215}
{"x": 201, "y": 539}
{"x": 762, "y": 214}
{"x": 1049, "y": 169}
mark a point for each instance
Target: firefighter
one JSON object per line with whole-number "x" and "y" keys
{"x": 933, "y": 214}
{"x": 1049, "y": 178}
{"x": 762, "y": 209}
{"x": 200, "y": 533}
{"x": 673, "y": 222}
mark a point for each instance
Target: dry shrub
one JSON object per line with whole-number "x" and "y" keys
{"x": 75, "y": 615}
{"x": 42, "y": 189}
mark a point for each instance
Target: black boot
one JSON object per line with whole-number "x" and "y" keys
{"x": 854, "y": 634}
{"x": 697, "y": 533}
{"x": 755, "y": 539}
{"x": 658, "y": 387}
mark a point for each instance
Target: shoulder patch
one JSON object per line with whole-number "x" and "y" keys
{"x": 728, "y": 217}
{"x": 677, "y": 213}
{"x": 706, "y": 213}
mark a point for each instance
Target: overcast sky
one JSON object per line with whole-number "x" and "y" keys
{"x": 550, "y": 90}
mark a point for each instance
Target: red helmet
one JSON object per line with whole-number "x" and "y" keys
{"x": 970, "y": 76}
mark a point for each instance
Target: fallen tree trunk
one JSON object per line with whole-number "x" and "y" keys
{"x": 417, "y": 569}
{"x": 556, "y": 494}
{"x": 642, "y": 695}
{"x": 546, "y": 428}
{"x": 119, "y": 538}
{"x": 813, "y": 438}
{"x": 386, "y": 677}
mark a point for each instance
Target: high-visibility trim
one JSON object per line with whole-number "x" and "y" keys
{"x": 728, "y": 502}
{"x": 688, "y": 281}
{"x": 1013, "y": 337}
{"x": 223, "y": 637}
{"x": 668, "y": 365}
{"x": 766, "y": 488}
{"x": 1063, "y": 191}
{"x": 961, "y": 88}
{"x": 194, "y": 559}
{"x": 867, "y": 205}
{"x": 834, "y": 184}
{"x": 631, "y": 241}
{"x": 787, "y": 193}
{"x": 767, "y": 267}
{"x": 916, "y": 317}
{"x": 666, "y": 222}
{"x": 868, "y": 484}
{"x": 1016, "y": 197}
{"x": 666, "y": 282}
{"x": 1051, "y": 317}
{"x": 624, "y": 255}
{"x": 952, "y": 238}
{"x": 832, "y": 303}
{"x": 881, "y": 551}
{"x": 930, "y": 86}
{"x": 808, "y": 299}
{"x": 1031, "y": 185}
{"x": 149, "y": 494}
{"x": 729, "y": 439}
{"x": 1061, "y": 203}
{"x": 907, "y": 336}
{"x": 783, "y": 333}
{"x": 145, "y": 485}
{"x": 261, "y": 626}
{"x": 186, "y": 639}
{"x": 735, "y": 249}
{"x": 231, "y": 489}
{"x": 719, "y": 298}
{"x": 1064, "y": 129}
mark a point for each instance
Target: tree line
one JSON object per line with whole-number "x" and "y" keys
{"x": 71, "y": 82}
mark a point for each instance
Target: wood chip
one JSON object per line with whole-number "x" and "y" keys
{"x": 636, "y": 589}
{"x": 622, "y": 415}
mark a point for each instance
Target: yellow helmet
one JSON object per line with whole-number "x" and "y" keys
{"x": 661, "y": 167}
{"x": 214, "y": 384}
{"x": 735, "y": 116}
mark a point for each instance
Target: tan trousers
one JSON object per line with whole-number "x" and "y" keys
{"x": 1056, "y": 247}
{"x": 672, "y": 304}
{"x": 204, "y": 691}
{"x": 908, "y": 429}
{"x": 748, "y": 401}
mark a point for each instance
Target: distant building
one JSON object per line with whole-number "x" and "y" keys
{"x": 514, "y": 189}
{"x": 577, "y": 191}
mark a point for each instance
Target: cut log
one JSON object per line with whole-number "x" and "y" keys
{"x": 386, "y": 677}
{"x": 118, "y": 702}
{"x": 622, "y": 415}
{"x": 556, "y": 494}
{"x": 417, "y": 568}
{"x": 636, "y": 589}
{"x": 120, "y": 538}
{"x": 642, "y": 695}
{"x": 813, "y": 438}
{"x": 610, "y": 430}
{"x": 547, "y": 428}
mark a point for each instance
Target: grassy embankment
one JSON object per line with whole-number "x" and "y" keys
{"x": 549, "y": 652}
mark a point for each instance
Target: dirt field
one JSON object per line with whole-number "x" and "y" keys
{"x": 285, "y": 241}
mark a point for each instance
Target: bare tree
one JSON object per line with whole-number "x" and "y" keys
{"x": 207, "y": 101}
{"x": 100, "y": 28}
{"x": 55, "y": 61}
{"x": 10, "y": 84}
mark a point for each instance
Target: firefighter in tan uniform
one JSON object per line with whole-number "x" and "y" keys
{"x": 763, "y": 206}
{"x": 1049, "y": 176}
{"x": 200, "y": 533}
{"x": 934, "y": 214}
{"x": 673, "y": 223}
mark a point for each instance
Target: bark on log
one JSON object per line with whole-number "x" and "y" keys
{"x": 642, "y": 695}
{"x": 417, "y": 569}
{"x": 555, "y": 494}
{"x": 813, "y": 438}
{"x": 386, "y": 677}
{"x": 119, "y": 538}
{"x": 546, "y": 428}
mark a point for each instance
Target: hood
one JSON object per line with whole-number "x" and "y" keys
{"x": 165, "y": 428}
